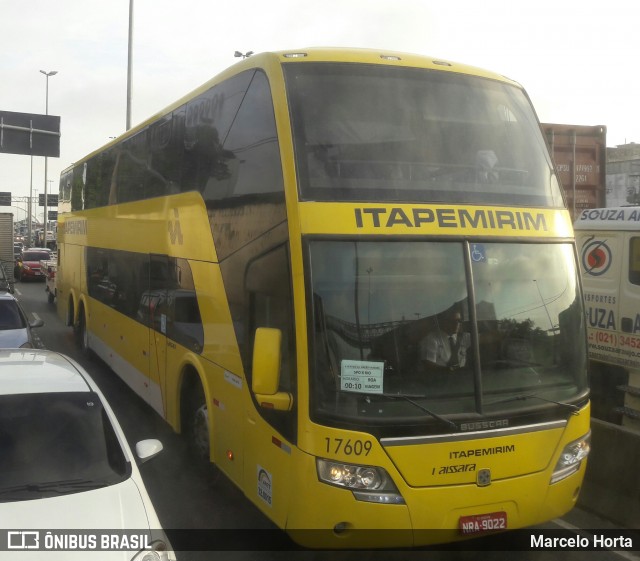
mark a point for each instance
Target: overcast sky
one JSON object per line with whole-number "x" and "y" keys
{"x": 578, "y": 60}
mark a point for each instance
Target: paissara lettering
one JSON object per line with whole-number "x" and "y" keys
{"x": 450, "y": 218}
{"x": 448, "y": 470}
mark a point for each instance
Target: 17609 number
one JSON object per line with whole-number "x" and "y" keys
{"x": 348, "y": 446}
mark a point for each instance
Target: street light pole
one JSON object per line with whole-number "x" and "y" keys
{"x": 30, "y": 230}
{"x": 129, "y": 64}
{"x": 47, "y": 74}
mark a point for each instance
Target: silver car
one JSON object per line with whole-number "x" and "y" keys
{"x": 15, "y": 327}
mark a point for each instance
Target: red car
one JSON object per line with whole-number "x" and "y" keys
{"x": 28, "y": 264}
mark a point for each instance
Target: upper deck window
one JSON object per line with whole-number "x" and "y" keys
{"x": 375, "y": 132}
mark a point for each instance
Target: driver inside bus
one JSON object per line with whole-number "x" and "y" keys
{"x": 445, "y": 348}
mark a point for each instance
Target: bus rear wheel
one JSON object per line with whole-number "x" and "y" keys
{"x": 82, "y": 334}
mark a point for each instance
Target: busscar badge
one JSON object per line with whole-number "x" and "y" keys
{"x": 483, "y": 478}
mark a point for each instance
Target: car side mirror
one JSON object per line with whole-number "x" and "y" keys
{"x": 36, "y": 323}
{"x": 148, "y": 449}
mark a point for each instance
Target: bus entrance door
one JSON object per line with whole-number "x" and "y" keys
{"x": 155, "y": 307}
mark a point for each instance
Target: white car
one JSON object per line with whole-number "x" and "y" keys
{"x": 16, "y": 331}
{"x": 68, "y": 479}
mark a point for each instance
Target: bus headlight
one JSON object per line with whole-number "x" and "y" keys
{"x": 571, "y": 457}
{"x": 368, "y": 483}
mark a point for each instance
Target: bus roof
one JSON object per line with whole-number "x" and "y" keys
{"x": 314, "y": 54}
{"x": 372, "y": 56}
{"x": 614, "y": 218}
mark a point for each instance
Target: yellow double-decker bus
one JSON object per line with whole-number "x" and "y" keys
{"x": 349, "y": 279}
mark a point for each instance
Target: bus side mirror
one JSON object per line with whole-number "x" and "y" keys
{"x": 266, "y": 370}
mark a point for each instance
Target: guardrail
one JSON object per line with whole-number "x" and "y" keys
{"x": 611, "y": 486}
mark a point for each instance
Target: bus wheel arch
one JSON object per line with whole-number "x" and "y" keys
{"x": 195, "y": 421}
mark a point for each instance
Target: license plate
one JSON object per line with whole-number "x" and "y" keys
{"x": 481, "y": 523}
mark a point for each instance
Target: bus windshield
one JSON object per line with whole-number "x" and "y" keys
{"x": 372, "y": 132}
{"x": 405, "y": 330}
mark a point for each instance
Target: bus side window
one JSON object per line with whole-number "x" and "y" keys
{"x": 163, "y": 159}
{"x": 208, "y": 118}
{"x": 131, "y": 169}
{"x": 251, "y": 150}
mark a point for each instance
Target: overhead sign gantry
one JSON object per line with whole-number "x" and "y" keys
{"x": 29, "y": 134}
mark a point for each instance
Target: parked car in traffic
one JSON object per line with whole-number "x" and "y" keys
{"x": 65, "y": 465}
{"x": 28, "y": 264}
{"x": 15, "y": 327}
{"x": 6, "y": 283}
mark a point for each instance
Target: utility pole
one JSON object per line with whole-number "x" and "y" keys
{"x": 129, "y": 64}
{"x": 47, "y": 74}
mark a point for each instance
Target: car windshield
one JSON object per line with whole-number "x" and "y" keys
{"x": 10, "y": 316}
{"x": 36, "y": 256}
{"x": 404, "y": 332}
{"x": 56, "y": 443}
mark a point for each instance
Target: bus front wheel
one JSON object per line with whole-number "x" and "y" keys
{"x": 197, "y": 425}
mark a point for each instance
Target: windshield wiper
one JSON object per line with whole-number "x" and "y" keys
{"x": 515, "y": 362}
{"x": 573, "y": 408}
{"x": 409, "y": 399}
{"x": 62, "y": 487}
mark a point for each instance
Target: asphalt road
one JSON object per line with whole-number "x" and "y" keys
{"x": 187, "y": 497}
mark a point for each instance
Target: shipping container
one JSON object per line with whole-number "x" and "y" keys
{"x": 580, "y": 156}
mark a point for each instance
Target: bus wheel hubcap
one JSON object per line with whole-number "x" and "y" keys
{"x": 201, "y": 431}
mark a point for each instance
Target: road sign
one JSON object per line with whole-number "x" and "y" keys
{"x": 52, "y": 200}
{"x": 29, "y": 134}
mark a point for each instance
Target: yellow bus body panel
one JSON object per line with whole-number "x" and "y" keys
{"x": 434, "y": 506}
{"x": 458, "y": 462}
{"x": 159, "y": 225}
